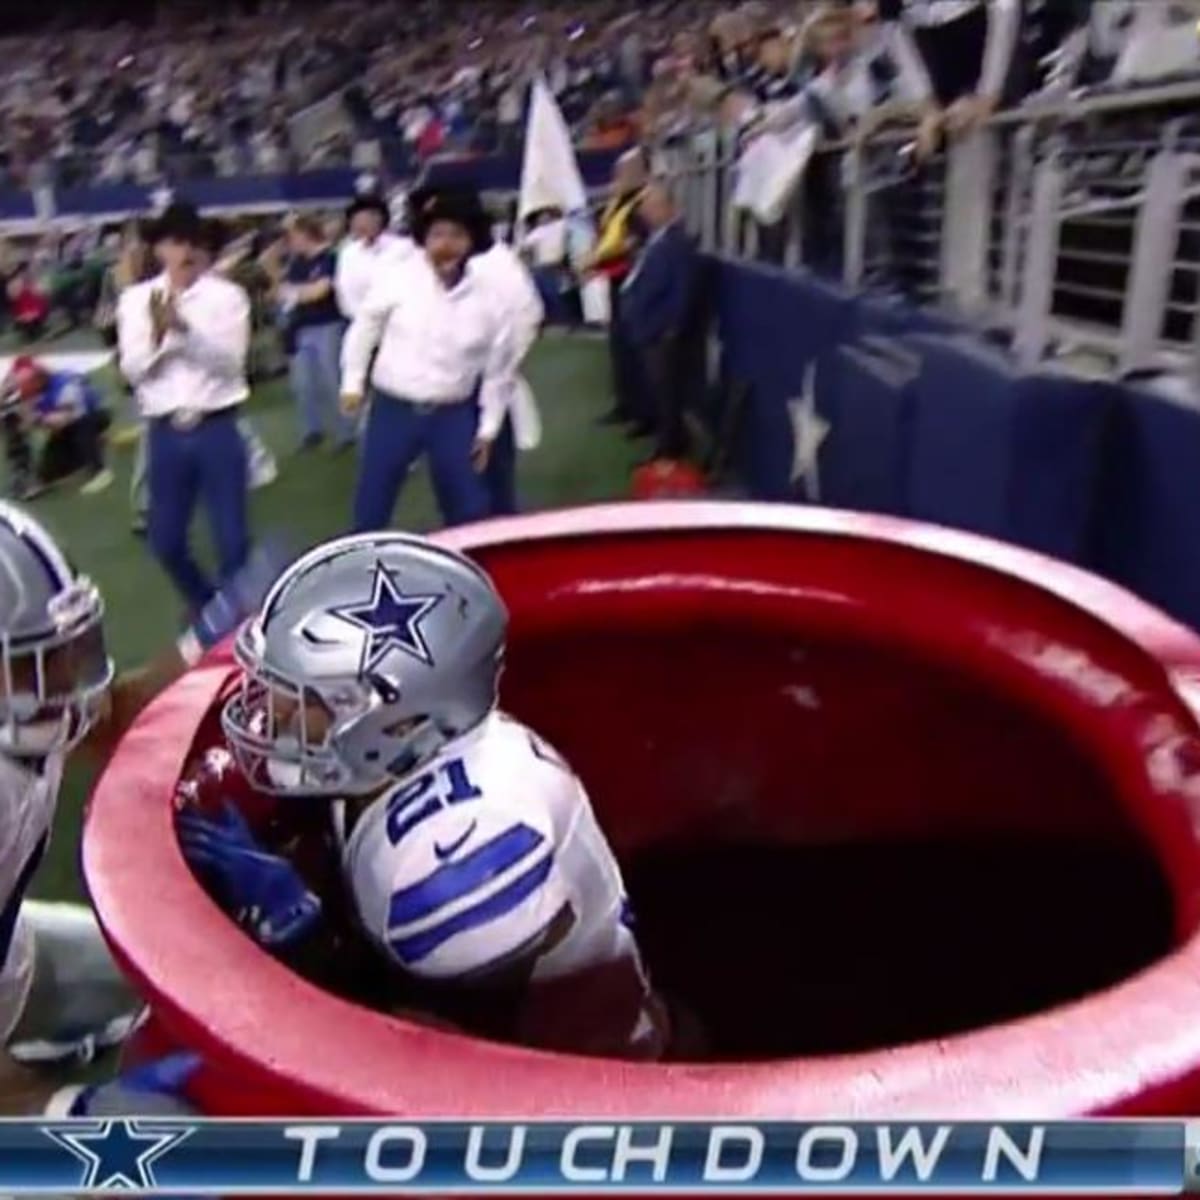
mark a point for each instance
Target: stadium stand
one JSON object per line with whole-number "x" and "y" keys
{"x": 1055, "y": 220}
{"x": 1055, "y": 244}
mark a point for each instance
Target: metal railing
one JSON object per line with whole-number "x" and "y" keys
{"x": 1066, "y": 227}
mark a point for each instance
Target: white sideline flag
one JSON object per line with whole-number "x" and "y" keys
{"x": 550, "y": 178}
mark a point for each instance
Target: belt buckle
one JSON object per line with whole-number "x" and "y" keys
{"x": 185, "y": 419}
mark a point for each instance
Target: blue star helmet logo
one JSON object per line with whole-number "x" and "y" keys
{"x": 391, "y": 621}
{"x": 119, "y": 1154}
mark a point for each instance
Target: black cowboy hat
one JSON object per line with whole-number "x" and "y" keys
{"x": 369, "y": 202}
{"x": 461, "y": 205}
{"x": 180, "y": 222}
{"x": 216, "y": 235}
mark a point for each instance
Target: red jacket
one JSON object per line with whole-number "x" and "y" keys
{"x": 29, "y": 305}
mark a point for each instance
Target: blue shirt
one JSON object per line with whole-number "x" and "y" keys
{"x": 304, "y": 268}
{"x": 67, "y": 392}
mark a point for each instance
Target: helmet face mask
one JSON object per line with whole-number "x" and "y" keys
{"x": 286, "y": 734}
{"x": 53, "y": 683}
{"x": 370, "y": 655}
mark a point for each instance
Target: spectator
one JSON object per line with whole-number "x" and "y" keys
{"x": 773, "y": 77}
{"x": 134, "y": 263}
{"x": 314, "y": 334}
{"x": 189, "y": 98}
{"x": 612, "y": 259}
{"x": 67, "y": 407}
{"x": 544, "y": 248}
{"x": 965, "y": 48}
{"x": 432, "y": 137}
{"x": 609, "y": 128}
{"x": 509, "y": 113}
{"x": 657, "y": 305}
{"x": 858, "y": 82}
{"x": 732, "y": 46}
{"x": 366, "y": 252}
{"x": 183, "y": 339}
{"x": 29, "y": 305}
{"x": 444, "y": 368}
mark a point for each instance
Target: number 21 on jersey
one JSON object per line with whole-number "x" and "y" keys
{"x": 409, "y": 805}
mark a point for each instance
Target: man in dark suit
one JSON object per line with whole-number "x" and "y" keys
{"x": 658, "y": 307}
{"x": 611, "y": 258}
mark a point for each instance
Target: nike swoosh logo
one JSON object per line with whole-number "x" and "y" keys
{"x": 445, "y": 852}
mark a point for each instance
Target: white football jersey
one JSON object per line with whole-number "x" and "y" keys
{"x": 469, "y": 861}
{"x": 28, "y": 798}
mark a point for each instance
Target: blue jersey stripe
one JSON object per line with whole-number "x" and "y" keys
{"x": 458, "y": 880}
{"x": 421, "y": 945}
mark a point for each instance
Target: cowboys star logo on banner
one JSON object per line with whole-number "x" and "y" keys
{"x": 119, "y": 1154}
{"x": 809, "y": 431}
{"x": 391, "y": 621}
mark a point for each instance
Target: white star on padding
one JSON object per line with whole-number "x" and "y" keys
{"x": 809, "y": 431}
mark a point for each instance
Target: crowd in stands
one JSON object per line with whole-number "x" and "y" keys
{"x": 233, "y": 93}
{"x": 383, "y": 86}
{"x": 236, "y": 94}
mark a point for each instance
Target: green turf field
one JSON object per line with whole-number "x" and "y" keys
{"x": 578, "y": 462}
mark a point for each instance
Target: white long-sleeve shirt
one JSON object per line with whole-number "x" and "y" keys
{"x": 547, "y": 243}
{"x": 435, "y": 343}
{"x": 360, "y": 263}
{"x": 202, "y": 370}
{"x": 501, "y": 270}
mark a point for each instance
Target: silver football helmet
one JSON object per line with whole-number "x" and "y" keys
{"x": 54, "y": 668}
{"x": 369, "y": 654}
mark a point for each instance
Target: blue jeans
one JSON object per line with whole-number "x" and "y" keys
{"x": 548, "y": 281}
{"x": 396, "y": 435}
{"x": 501, "y": 473}
{"x": 207, "y": 463}
{"x": 314, "y": 370}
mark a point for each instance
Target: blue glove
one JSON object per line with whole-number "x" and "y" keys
{"x": 153, "y": 1089}
{"x": 239, "y": 597}
{"x": 264, "y": 892}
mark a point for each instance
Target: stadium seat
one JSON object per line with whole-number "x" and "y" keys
{"x": 865, "y": 392}
{"x": 1150, "y": 533}
{"x": 774, "y": 324}
{"x": 1003, "y": 452}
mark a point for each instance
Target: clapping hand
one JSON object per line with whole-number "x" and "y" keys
{"x": 164, "y": 315}
{"x": 158, "y": 316}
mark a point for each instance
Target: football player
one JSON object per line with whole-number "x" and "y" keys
{"x": 60, "y": 993}
{"x": 468, "y": 847}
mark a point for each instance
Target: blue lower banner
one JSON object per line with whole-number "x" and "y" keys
{"x": 239, "y": 1157}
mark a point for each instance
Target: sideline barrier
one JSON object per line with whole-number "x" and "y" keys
{"x": 1008, "y": 453}
{"x": 1149, "y": 531}
{"x": 865, "y": 391}
{"x": 774, "y": 325}
{"x": 1098, "y": 473}
{"x": 970, "y": 649}
{"x": 1064, "y": 232}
